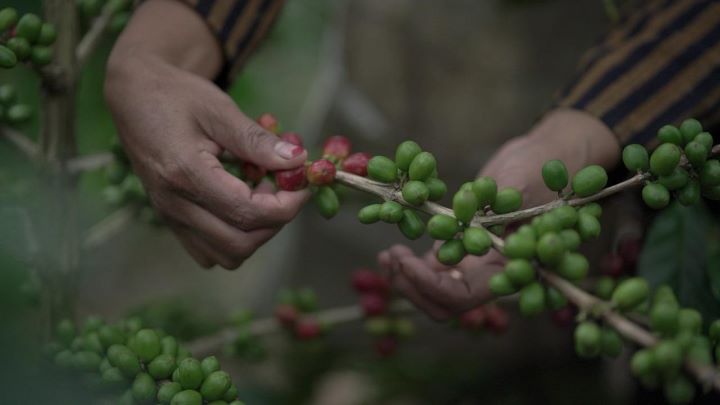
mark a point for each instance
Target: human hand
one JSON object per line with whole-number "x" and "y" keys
{"x": 444, "y": 291}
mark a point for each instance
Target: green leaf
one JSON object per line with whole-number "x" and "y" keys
{"x": 676, "y": 253}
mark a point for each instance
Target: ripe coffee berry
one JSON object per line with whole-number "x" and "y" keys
{"x": 321, "y": 172}
{"x": 286, "y": 314}
{"x": 364, "y": 281}
{"x": 373, "y": 304}
{"x": 473, "y": 319}
{"x": 613, "y": 265}
{"x": 357, "y": 163}
{"x": 563, "y": 317}
{"x": 269, "y": 122}
{"x": 386, "y": 346}
{"x": 337, "y": 147}
{"x": 496, "y": 319}
{"x": 307, "y": 328}
{"x": 292, "y": 137}
{"x": 291, "y": 179}
{"x": 253, "y": 172}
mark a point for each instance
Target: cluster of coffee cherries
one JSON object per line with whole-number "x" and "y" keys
{"x": 24, "y": 38}
{"x": 142, "y": 365}
{"x": 120, "y": 10}
{"x": 490, "y": 317}
{"x": 12, "y": 112}
{"x": 385, "y": 326}
{"x": 681, "y": 166}
{"x": 124, "y": 187}
{"x": 294, "y": 312}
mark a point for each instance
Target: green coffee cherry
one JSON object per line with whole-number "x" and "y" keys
{"x": 611, "y": 343}
{"x": 162, "y": 366}
{"x": 696, "y": 154}
{"x": 93, "y": 344}
{"x": 485, "y": 189}
{"x": 18, "y": 113}
{"x": 143, "y": 388}
{"x": 209, "y": 365}
{"x": 8, "y": 94}
{"x": 689, "y": 129}
{"x": 443, "y": 227}
{"x": 573, "y": 266}
{"x": 215, "y": 385}
{"x": 167, "y": 391}
{"x": 555, "y": 175}
{"x": 377, "y": 326}
{"x": 506, "y": 200}
{"x": 422, "y": 166}
{"x": 711, "y": 193}
{"x": 110, "y": 335}
{"x": 604, "y": 287}
{"x": 665, "y": 294}
{"x": 714, "y": 331}
{"x": 369, "y": 214}
{"x": 670, "y": 134}
{"x": 8, "y": 18}
{"x": 555, "y": 300}
{"x": 664, "y": 318}
{"x": 500, "y": 285}
{"x": 630, "y": 293}
{"x": 675, "y": 180}
{"x": 520, "y": 272}
{"x": 231, "y": 393}
{"x": 124, "y": 359}
{"x": 415, "y": 192}
{"x": 656, "y": 196}
{"x": 411, "y": 225}
{"x": 117, "y": 6}
{"x": 112, "y": 377}
{"x": 642, "y": 363}
{"x": 190, "y": 374}
{"x": 41, "y": 55}
{"x": 391, "y": 212}
{"x": 690, "y": 320}
{"x": 550, "y": 249}
{"x": 8, "y": 59}
{"x": 21, "y": 48}
{"x": 464, "y": 205}
{"x": 589, "y": 181}
{"x": 588, "y": 339}
{"x": 705, "y": 139}
{"x": 187, "y": 397}
{"x": 570, "y": 238}
{"x": 519, "y": 246}
{"x": 527, "y": 230}
{"x": 679, "y": 391}
{"x": 532, "y": 299}
{"x": 87, "y": 361}
{"x": 451, "y": 252}
{"x": 64, "y": 358}
{"x": 436, "y": 189}
{"x": 566, "y": 215}
{"x": 476, "y": 241}
{"x": 48, "y": 34}
{"x": 146, "y": 344}
{"x": 668, "y": 357}
{"x": 635, "y": 158}
{"x": 588, "y": 226}
{"x": 28, "y": 27}
{"x": 664, "y": 159}
{"x": 65, "y": 331}
{"x": 593, "y": 209}
{"x": 690, "y": 194}
{"x": 405, "y": 153}
{"x": 326, "y": 201}
{"x": 710, "y": 174}
{"x": 546, "y": 223}
{"x": 382, "y": 169}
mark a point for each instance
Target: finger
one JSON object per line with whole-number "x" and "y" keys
{"x": 265, "y": 187}
{"x": 247, "y": 140}
{"x": 407, "y": 289}
{"x": 193, "y": 249}
{"x": 431, "y": 259}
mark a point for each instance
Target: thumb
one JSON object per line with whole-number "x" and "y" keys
{"x": 247, "y": 140}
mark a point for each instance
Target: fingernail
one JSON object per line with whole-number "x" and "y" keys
{"x": 287, "y": 150}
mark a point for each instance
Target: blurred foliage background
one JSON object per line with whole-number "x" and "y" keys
{"x": 460, "y": 78}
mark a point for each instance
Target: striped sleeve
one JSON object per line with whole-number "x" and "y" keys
{"x": 659, "y": 66}
{"x": 239, "y": 25}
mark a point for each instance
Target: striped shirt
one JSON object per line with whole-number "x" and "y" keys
{"x": 660, "y": 65}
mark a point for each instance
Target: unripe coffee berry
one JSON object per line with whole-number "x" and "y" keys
{"x": 668, "y": 357}
{"x": 321, "y": 172}
{"x": 464, "y": 205}
{"x": 405, "y": 153}
{"x": 532, "y": 299}
{"x": 656, "y": 196}
{"x": 520, "y": 272}
{"x": 630, "y": 293}
{"x": 604, "y": 287}
{"x": 679, "y": 391}
{"x": 670, "y": 134}
{"x": 28, "y": 27}
{"x": 327, "y": 202}
{"x": 382, "y": 169}
{"x": 710, "y": 173}
{"x": 675, "y": 180}
{"x": 48, "y": 34}
{"x": 189, "y": 374}
{"x": 550, "y": 249}
{"x": 292, "y": 179}
{"x": 635, "y": 158}
{"x": 664, "y": 159}
{"x": 215, "y": 385}
{"x": 566, "y": 215}
{"x": 8, "y": 59}
{"x": 268, "y": 122}
{"x": 476, "y": 241}
{"x": 573, "y": 266}
{"x": 555, "y": 300}
{"x": 689, "y": 129}
{"x": 690, "y": 320}
{"x": 186, "y": 397}
{"x": 705, "y": 139}
{"x": 411, "y": 225}
{"x": 391, "y": 212}
{"x": 664, "y": 318}
{"x": 443, "y": 227}
{"x": 451, "y": 252}
{"x": 589, "y": 181}
{"x": 500, "y": 284}
{"x": 21, "y": 48}
{"x": 696, "y": 154}
{"x": 8, "y": 18}
{"x": 378, "y": 326}
{"x": 546, "y": 223}
{"x": 570, "y": 238}
{"x": 485, "y": 189}
{"x": 588, "y": 339}
{"x": 588, "y": 226}
{"x": 357, "y": 163}
{"x": 436, "y": 188}
{"x": 369, "y": 214}
{"x": 506, "y": 200}
{"x": 555, "y": 175}
{"x": 337, "y": 147}
{"x": 422, "y": 166}
{"x": 143, "y": 388}
{"x": 519, "y": 246}
{"x": 611, "y": 343}
{"x": 690, "y": 194}
{"x": 415, "y": 192}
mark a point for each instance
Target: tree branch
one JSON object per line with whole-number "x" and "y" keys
{"x": 108, "y": 226}
{"x": 20, "y": 141}
{"x": 85, "y": 163}
{"x": 92, "y": 37}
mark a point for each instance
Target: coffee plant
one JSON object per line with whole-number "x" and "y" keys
{"x": 678, "y": 350}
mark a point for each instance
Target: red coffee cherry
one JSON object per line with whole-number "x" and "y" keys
{"x": 386, "y": 346}
{"x": 496, "y": 319}
{"x": 253, "y": 172}
{"x": 564, "y": 317}
{"x": 357, "y": 163}
{"x": 292, "y": 137}
{"x": 307, "y": 329}
{"x": 321, "y": 172}
{"x": 629, "y": 249}
{"x": 286, "y": 314}
{"x": 613, "y": 265}
{"x": 373, "y": 304}
{"x": 269, "y": 122}
{"x": 365, "y": 281}
{"x": 473, "y": 319}
{"x": 337, "y": 146}
{"x": 292, "y": 179}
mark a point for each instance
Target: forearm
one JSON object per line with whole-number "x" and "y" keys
{"x": 167, "y": 31}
